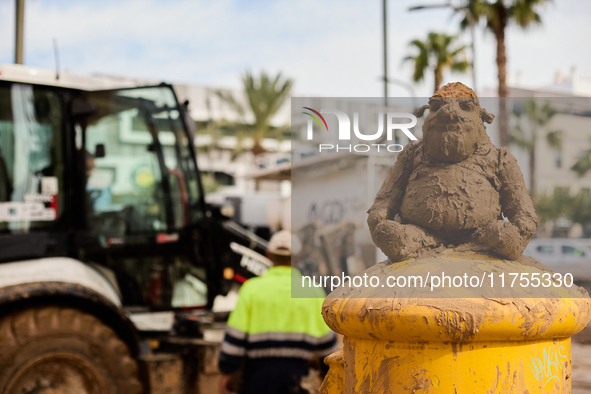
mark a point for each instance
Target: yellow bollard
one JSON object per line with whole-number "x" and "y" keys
{"x": 497, "y": 340}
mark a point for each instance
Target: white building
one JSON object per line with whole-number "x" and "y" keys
{"x": 570, "y": 95}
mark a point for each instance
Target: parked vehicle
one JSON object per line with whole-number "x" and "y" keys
{"x": 562, "y": 255}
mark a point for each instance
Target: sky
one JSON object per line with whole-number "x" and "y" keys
{"x": 328, "y": 47}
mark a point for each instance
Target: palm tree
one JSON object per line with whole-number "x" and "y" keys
{"x": 265, "y": 96}
{"x": 537, "y": 117}
{"x": 581, "y": 211}
{"x": 498, "y": 15}
{"x": 437, "y": 53}
{"x": 563, "y": 205}
{"x": 582, "y": 206}
{"x": 560, "y": 204}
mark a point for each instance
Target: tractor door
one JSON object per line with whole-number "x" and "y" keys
{"x": 143, "y": 205}
{"x": 33, "y": 217}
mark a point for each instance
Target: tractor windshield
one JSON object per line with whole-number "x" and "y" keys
{"x": 141, "y": 173}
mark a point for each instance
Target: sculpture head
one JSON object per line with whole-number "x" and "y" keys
{"x": 454, "y": 127}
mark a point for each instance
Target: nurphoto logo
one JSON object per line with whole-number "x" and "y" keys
{"x": 344, "y": 130}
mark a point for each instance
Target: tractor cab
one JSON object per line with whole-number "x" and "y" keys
{"x": 110, "y": 177}
{"x": 110, "y": 259}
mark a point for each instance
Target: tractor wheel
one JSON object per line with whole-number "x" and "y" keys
{"x": 50, "y": 350}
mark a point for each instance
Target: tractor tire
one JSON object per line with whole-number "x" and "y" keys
{"x": 52, "y": 349}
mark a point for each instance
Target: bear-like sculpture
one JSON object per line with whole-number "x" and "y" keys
{"x": 454, "y": 187}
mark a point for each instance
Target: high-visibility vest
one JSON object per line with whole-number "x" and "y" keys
{"x": 268, "y": 322}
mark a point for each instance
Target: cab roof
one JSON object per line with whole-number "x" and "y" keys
{"x": 40, "y": 76}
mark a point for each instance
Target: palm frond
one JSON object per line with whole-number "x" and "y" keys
{"x": 461, "y": 66}
{"x": 265, "y": 95}
{"x": 554, "y": 139}
{"x": 518, "y": 138}
{"x": 231, "y": 101}
{"x": 582, "y": 165}
{"x": 437, "y": 52}
{"x": 523, "y": 12}
{"x": 536, "y": 117}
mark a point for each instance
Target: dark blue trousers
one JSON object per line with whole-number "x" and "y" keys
{"x": 273, "y": 376}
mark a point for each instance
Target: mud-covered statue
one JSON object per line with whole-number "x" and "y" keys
{"x": 453, "y": 188}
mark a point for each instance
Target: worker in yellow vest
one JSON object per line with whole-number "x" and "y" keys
{"x": 271, "y": 336}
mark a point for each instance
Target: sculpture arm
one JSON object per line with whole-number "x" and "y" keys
{"x": 389, "y": 197}
{"x": 509, "y": 239}
{"x": 516, "y": 202}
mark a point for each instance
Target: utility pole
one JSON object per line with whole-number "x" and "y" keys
{"x": 472, "y": 23}
{"x": 19, "y": 31}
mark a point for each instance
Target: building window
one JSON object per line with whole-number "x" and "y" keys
{"x": 558, "y": 157}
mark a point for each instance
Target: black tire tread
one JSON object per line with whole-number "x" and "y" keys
{"x": 22, "y": 327}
